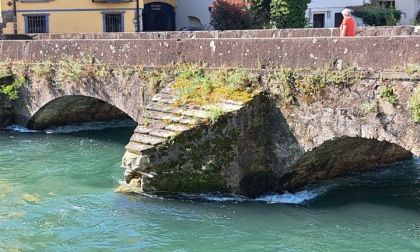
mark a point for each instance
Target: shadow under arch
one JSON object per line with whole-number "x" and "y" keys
{"x": 340, "y": 157}
{"x": 74, "y": 109}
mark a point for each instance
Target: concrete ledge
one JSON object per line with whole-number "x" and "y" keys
{"x": 359, "y": 52}
{"x": 266, "y": 33}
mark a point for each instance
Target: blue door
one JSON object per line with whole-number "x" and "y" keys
{"x": 158, "y": 17}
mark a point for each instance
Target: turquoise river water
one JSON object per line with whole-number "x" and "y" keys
{"x": 57, "y": 194}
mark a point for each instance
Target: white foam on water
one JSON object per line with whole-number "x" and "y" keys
{"x": 20, "y": 129}
{"x": 77, "y": 127}
{"x": 223, "y": 198}
{"x": 290, "y": 198}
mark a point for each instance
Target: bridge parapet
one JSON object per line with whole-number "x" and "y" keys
{"x": 266, "y": 33}
{"x": 248, "y": 49}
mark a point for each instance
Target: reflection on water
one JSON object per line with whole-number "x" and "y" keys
{"x": 56, "y": 194}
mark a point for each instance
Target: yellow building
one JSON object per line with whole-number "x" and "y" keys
{"x": 78, "y": 16}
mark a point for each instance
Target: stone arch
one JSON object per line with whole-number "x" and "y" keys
{"x": 72, "y": 109}
{"x": 341, "y": 156}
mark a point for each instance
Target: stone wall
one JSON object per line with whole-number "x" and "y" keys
{"x": 276, "y": 142}
{"x": 267, "y": 33}
{"x": 388, "y": 48}
{"x": 6, "y": 112}
{"x": 178, "y": 149}
{"x": 6, "y": 108}
{"x": 343, "y": 128}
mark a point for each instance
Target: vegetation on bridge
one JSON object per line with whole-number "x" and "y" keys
{"x": 197, "y": 83}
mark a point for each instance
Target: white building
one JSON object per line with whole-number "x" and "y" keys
{"x": 193, "y": 13}
{"x": 327, "y": 13}
{"x": 321, "y": 13}
{"x": 411, "y": 9}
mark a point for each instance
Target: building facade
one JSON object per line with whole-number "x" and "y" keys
{"x": 193, "y": 13}
{"x": 327, "y": 13}
{"x": 77, "y": 16}
{"x": 411, "y": 9}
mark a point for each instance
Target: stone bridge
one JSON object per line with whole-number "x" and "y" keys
{"x": 282, "y": 139}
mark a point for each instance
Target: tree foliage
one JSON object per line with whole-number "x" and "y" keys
{"x": 230, "y": 15}
{"x": 258, "y": 14}
{"x": 375, "y": 15}
{"x": 288, "y": 13}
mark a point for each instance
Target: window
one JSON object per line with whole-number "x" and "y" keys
{"x": 338, "y": 18}
{"x": 387, "y": 3}
{"x": 319, "y": 20}
{"x": 36, "y": 23}
{"x": 113, "y": 22}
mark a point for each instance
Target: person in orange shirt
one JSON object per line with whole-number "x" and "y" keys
{"x": 348, "y": 25}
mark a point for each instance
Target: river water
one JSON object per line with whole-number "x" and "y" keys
{"x": 57, "y": 194}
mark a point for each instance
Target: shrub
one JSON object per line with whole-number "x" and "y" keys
{"x": 388, "y": 95}
{"x": 288, "y": 13}
{"x": 12, "y": 90}
{"x": 259, "y": 11}
{"x": 377, "y": 15}
{"x": 230, "y": 15}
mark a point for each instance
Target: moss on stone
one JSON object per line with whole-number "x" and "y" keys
{"x": 199, "y": 161}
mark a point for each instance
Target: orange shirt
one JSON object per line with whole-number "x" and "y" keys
{"x": 351, "y": 26}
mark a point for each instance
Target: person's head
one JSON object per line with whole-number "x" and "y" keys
{"x": 346, "y": 12}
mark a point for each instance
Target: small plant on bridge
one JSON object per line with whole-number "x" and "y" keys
{"x": 367, "y": 108}
{"x": 12, "y": 90}
{"x": 216, "y": 112}
{"x": 307, "y": 82}
{"x": 5, "y": 69}
{"x": 42, "y": 69}
{"x": 77, "y": 69}
{"x": 17, "y": 73}
{"x": 72, "y": 69}
{"x": 388, "y": 95}
{"x": 156, "y": 79}
{"x": 413, "y": 70}
{"x": 414, "y": 105}
{"x": 194, "y": 84}
{"x": 237, "y": 80}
